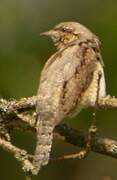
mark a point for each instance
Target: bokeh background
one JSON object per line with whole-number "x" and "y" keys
{"x": 22, "y": 55}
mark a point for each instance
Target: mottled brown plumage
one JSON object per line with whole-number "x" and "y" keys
{"x": 68, "y": 83}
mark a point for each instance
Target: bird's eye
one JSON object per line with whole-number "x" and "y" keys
{"x": 63, "y": 29}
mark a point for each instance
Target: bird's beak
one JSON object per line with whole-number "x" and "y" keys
{"x": 47, "y": 33}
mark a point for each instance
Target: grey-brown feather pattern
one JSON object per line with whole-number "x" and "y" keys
{"x": 65, "y": 76}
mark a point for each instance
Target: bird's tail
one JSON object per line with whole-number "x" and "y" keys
{"x": 44, "y": 144}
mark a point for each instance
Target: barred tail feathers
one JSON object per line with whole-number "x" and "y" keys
{"x": 44, "y": 143}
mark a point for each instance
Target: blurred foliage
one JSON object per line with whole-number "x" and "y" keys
{"x": 22, "y": 55}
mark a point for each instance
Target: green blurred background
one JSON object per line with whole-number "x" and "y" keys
{"x": 22, "y": 55}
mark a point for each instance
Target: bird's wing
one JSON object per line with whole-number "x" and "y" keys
{"x": 65, "y": 77}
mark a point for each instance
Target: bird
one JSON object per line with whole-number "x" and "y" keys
{"x": 68, "y": 83}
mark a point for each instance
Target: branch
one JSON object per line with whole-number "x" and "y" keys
{"x": 100, "y": 145}
{"x": 21, "y": 115}
{"x": 26, "y": 104}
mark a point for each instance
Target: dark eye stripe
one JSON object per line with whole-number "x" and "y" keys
{"x": 67, "y": 30}
{"x": 63, "y": 29}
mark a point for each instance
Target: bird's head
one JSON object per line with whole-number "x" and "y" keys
{"x": 68, "y": 32}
